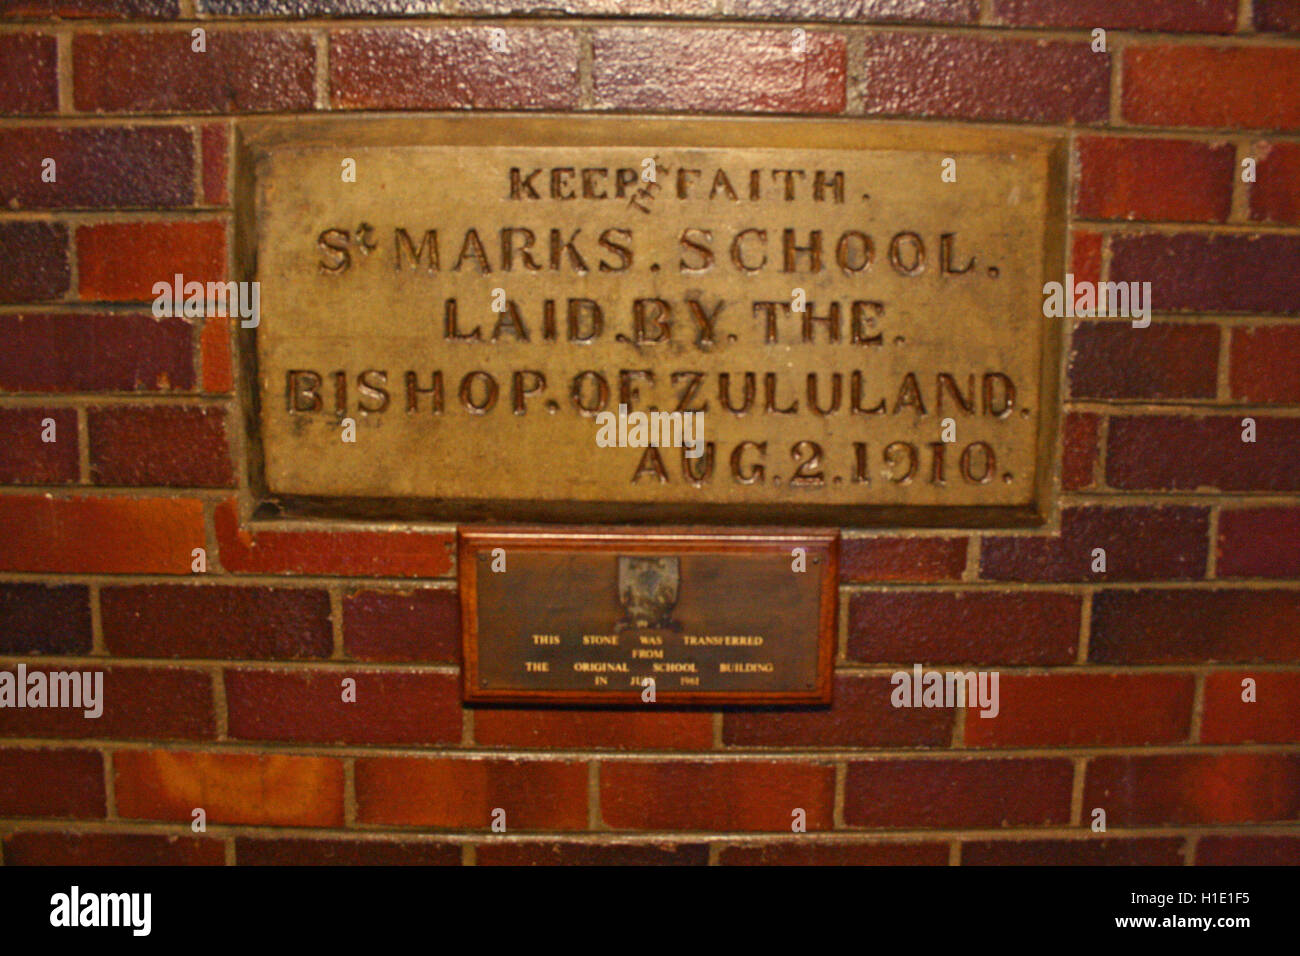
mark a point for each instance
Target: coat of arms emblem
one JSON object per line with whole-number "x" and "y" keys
{"x": 647, "y": 589}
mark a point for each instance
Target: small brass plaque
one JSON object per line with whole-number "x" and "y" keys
{"x": 618, "y": 319}
{"x": 593, "y": 616}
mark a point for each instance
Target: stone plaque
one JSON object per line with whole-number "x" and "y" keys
{"x": 815, "y": 322}
{"x": 589, "y": 616}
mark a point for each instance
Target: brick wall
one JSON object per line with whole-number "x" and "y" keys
{"x": 1120, "y": 690}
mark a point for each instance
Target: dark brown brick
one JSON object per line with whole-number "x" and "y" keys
{"x": 51, "y": 783}
{"x": 811, "y": 852}
{"x": 724, "y": 795}
{"x": 44, "y": 618}
{"x": 1248, "y": 850}
{"x": 463, "y": 793}
{"x": 861, "y": 715}
{"x": 592, "y": 854}
{"x": 1277, "y": 16}
{"x": 902, "y": 559}
{"x": 422, "y": 624}
{"x": 1115, "y": 360}
{"x": 1193, "y": 788}
{"x": 1085, "y": 851}
{"x": 1178, "y": 453}
{"x": 168, "y": 445}
{"x": 308, "y": 706}
{"x": 26, "y": 458}
{"x": 215, "y": 138}
{"x": 1259, "y": 543}
{"x": 112, "y": 353}
{"x": 1085, "y": 710}
{"x": 266, "y": 851}
{"x": 718, "y": 69}
{"x": 1080, "y": 435}
{"x": 952, "y": 793}
{"x": 453, "y": 68}
{"x": 216, "y": 621}
{"x": 1141, "y": 544}
{"x": 29, "y": 79}
{"x": 1275, "y": 194}
{"x": 1180, "y": 625}
{"x": 1154, "y": 180}
{"x": 1202, "y": 273}
{"x": 1211, "y": 87}
{"x": 1167, "y": 16}
{"x": 242, "y": 71}
{"x": 976, "y": 627}
{"x": 97, "y": 167}
{"x": 45, "y": 848}
{"x": 98, "y": 9}
{"x": 976, "y": 78}
{"x": 1264, "y": 364}
{"x": 36, "y": 261}
{"x": 145, "y": 703}
{"x": 862, "y": 11}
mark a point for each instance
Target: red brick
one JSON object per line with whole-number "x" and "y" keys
{"x": 45, "y": 848}
{"x": 1086, "y": 851}
{"x": 160, "y": 445}
{"x": 1264, "y": 364}
{"x": 164, "y": 620}
{"x": 1277, "y": 16}
{"x": 1079, "y": 443}
{"x": 1204, "y": 273}
{"x": 463, "y": 793}
{"x": 1154, "y": 180}
{"x": 1115, "y": 360}
{"x": 725, "y": 70}
{"x": 146, "y": 703}
{"x": 214, "y": 349}
{"x": 978, "y": 78}
{"x": 422, "y": 624}
{"x": 97, "y": 167}
{"x": 1218, "y": 87}
{"x": 418, "y": 554}
{"x": 295, "y": 9}
{"x": 978, "y": 627}
{"x": 120, "y": 262}
{"x": 99, "y": 535}
{"x": 809, "y": 852}
{"x": 216, "y": 147}
{"x": 958, "y": 793}
{"x": 260, "y": 851}
{"x": 44, "y": 618}
{"x": 1193, "y": 626}
{"x": 297, "y": 705}
{"x": 861, "y": 715}
{"x": 724, "y": 795}
{"x": 29, "y": 78}
{"x": 113, "y": 353}
{"x": 591, "y": 854}
{"x": 1259, "y": 543}
{"x": 1085, "y": 255}
{"x": 1178, "y": 453}
{"x": 1141, "y": 544}
{"x": 230, "y": 788}
{"x": 51, "y": 783}
{"x": 26, "y": 458}
{"x": 1248, "y": 850}
{"x": 242, "y": 71}
{"x": 1275, "y": 194}
{"x": 1272, "y": 718}
{"x": 583, "y": 729}
{"x": 36, "y": 261}
{"x": 453, "y": 68}
{"x": 1085, "y": 710}
{"x": 1193, "y": 16}
{"x": 902, "y": 559}
{"x": 1193, "y": 788}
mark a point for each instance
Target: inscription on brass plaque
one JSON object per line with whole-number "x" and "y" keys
{"x": 584, "y": 617}
{"x": 856, "y": 339}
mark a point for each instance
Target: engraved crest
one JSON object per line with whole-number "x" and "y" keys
{"x": 647, "y": 589}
